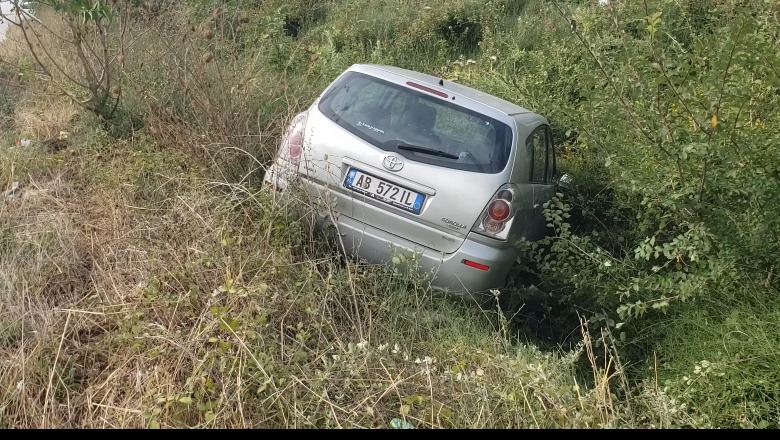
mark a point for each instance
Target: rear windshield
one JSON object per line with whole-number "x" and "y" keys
{"x": 403, "y": 120}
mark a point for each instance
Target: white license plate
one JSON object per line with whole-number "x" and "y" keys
{"x": 384, "y": 191}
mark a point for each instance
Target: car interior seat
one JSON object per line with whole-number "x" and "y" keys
{"x": 420, "y": 120}
{"x": 373, "y": 115}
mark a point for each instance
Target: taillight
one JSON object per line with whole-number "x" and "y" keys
{"x": 496, "y": 219}
{"x": 499, "y": 210}
{"x": 292, "y": 142}
{"x": 290, "y": 150}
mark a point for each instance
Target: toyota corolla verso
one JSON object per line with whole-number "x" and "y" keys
{"x": 409, "y": 161}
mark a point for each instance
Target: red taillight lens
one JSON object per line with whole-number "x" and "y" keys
{"x": 499, "y": 214}
{"x": 295, "y": 144}
{"x": 499, "y": 210}
{"x": 292, "y": 143}
{"x": 290, "y": 151}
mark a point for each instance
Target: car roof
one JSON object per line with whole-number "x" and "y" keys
{"x": 497, "y": 103}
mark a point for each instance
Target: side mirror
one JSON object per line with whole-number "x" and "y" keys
{"x": 566, "y": 181}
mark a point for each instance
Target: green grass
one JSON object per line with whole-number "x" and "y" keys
{"x": 723, "y": 359}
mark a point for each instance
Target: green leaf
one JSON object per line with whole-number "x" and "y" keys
{"x": 400, "y": 424}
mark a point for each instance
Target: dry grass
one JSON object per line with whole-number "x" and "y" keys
{"x": 70, "y": 267}
{"x": 13, "y": 50}
{"x": 47, "y": 35}
{"x": 43, "y": 266}
{"x": 108, "y": 310}
{"x": 47, "y": 115}
{"x": 47, "y": 120}
{"x": 135, "y": 296}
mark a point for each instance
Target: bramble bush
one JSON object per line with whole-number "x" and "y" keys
{"x": 666, "y": 111}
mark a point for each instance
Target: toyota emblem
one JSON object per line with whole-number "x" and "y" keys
{"x": 393, "y": 163}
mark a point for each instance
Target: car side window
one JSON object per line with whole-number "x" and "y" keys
{"x": 550, "y": 172}
{"x": 537, "y": 146}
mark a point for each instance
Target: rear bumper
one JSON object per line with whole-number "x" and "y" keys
{"x": 448, "y": 271}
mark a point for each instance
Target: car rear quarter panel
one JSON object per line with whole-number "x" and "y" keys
{"x": 529, "y": 221}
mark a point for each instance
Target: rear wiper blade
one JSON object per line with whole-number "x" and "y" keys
{"x": 425, "y": 150}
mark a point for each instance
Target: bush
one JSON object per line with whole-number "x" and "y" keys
{"x": 666, "y": 109}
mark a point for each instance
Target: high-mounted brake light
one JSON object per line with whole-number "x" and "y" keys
{"x": 427, "y": 89}
{"x": 497, "y": 217}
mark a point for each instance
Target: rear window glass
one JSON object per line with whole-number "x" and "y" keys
{"x": 405, "y": 121}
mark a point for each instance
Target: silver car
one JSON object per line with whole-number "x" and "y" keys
{"x": 404, "y": 161}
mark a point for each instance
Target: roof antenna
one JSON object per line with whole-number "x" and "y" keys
{"x": 441, "y": 82}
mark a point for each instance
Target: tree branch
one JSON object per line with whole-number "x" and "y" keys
{"x": 612, "y": 85}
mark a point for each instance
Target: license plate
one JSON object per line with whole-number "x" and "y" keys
{"x": 384, "y": 191}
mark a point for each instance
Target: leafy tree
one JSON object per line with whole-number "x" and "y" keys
{"x": 95, "y": 31}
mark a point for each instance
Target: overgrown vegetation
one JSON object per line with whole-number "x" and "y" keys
{"x": 148, "y": 281}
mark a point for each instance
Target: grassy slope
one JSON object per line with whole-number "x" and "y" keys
{"x": 136, "y": 294}
{"x": 146, "y": 281}
{"x": 140, "y": 288}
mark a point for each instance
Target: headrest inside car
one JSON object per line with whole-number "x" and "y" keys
{"x": 373, "y": 114}
{"x": 421, "y": 116}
